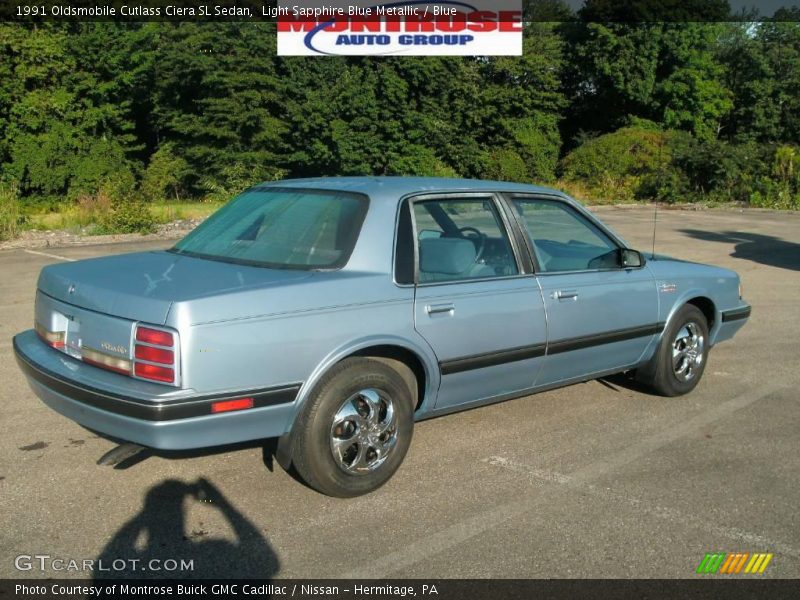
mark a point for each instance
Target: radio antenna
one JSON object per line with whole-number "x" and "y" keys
{"x": 655, "y": 221}
{"x": 662, "y": 168}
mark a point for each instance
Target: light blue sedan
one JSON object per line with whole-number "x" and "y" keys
{"x": 332, "y": 313}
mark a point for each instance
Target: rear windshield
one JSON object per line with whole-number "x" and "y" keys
{"x": 281, "y": 228}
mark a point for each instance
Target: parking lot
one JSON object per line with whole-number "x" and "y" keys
{"x": 594, "y": 480}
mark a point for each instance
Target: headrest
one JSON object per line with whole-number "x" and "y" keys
{"x": 446, "y": 255}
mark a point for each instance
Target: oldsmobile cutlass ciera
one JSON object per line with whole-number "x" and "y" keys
{"x": 332, "y": 313}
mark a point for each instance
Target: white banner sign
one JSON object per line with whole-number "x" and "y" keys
{"x": 410, "y": 28}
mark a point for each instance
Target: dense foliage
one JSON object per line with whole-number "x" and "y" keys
{"x": 138, "y": 112}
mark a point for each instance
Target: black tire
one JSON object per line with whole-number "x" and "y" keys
{"x": 661, "y": 374}
{"x": 339, "y": 392}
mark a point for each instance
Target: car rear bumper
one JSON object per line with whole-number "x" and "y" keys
{"x": 148, "y": 414}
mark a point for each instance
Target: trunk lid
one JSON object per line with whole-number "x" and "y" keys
{"x": 143, "y": 286}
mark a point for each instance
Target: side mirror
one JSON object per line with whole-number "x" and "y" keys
{"x": 630, "y": 259}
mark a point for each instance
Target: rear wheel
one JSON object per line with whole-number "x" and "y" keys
{"x": 681, "y": 357}
{"x": 355, "y": 429}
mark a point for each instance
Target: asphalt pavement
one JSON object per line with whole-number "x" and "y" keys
{"x": 594, "y": 480}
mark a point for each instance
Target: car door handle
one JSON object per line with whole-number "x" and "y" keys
{"x": 437, "y": 309}
{"x": 567, "y": 294}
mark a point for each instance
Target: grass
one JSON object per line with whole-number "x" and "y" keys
{"x": 166, "y": 212}
{"x": 9, "y": 212}
{"x": 85, "y": 216}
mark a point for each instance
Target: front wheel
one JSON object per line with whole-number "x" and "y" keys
{"x": 355, "y": 429}
{"x": 681, "y": 357}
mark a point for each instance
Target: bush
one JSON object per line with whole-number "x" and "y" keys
{"x": 617, "y": 164}
{"x": 421, "y": 161}
{"x": 236, "y": 178}
{"x": 756, "y": 174}
{"x": 10, "y": 217}
{"x": 537, "y": 141}
{"x": 506, "y": 165}
{"x": 103, "y": 168}
{"x": 164, "y": 175}
{"x": 639, "y": 161}
{"x": 770, "y": 194}
{"x": 782, "y": 189}
{"x": 719, "y": 171}
{"x": 92, "y": 208}
{"x": 132, "y": 216}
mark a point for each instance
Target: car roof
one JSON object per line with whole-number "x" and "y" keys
{"x": 396, "y": 187}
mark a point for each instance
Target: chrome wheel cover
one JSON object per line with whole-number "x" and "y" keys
{"x": 364, "y": 432}
{"x": 688, "y": 351}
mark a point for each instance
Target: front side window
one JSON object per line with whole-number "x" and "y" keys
{"x": 563, "y": 239}
{"x": 281, "y": 228}
{"x": 461, "y": 239}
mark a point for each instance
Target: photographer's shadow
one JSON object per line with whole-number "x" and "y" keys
{"x": 154, "y": 543}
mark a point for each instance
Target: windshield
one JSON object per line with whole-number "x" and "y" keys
{"x": 282, "y": 228}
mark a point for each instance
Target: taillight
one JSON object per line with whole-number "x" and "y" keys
{"x": 154, "y": 336}
{"x": 55, "y": 339}
{"x": 158, "y": 355}
{"x": 154, "y": 372}
{"x": 154, "y": 354}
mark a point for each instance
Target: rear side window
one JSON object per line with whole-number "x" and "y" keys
{"x": 281, "y": 228}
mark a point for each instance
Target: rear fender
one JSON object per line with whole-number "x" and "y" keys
{"x": 419, "y": 347}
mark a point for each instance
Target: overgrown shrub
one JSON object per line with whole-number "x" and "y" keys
{"x": 782, "y": 189}
{"x": 131, "y": 216}
{"x": 639, "y": 162}
{"x": 755, "y": 174}
{"x": 10, "y": 216}
{"x": 770, "y": 194}
{"x": 718, "y": 171}
{"x": 92, "y": 208}
{"x": 236, "y": 178}
{"x": 614, "y": 165}
{"x": 164, "y": 175}
{"x": 506, "y": 164}
{"x": 537, "y": 141}
{"x": 105, "y": 168}
{"x": 422, "y": 161}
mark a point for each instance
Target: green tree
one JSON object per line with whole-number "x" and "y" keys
{"x": 62, "y": 132}
{"x": 164, "y": 175}
{"x": 663, "y": 71}
{"x": 217, "y": 97}
{"x": 762, "y": 63}
{"x": 523, "y": 102}
{"x": 692, "y": 95}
